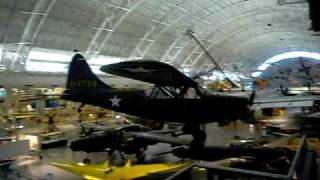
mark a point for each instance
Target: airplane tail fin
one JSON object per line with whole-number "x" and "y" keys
{"x": 80, "y": 75}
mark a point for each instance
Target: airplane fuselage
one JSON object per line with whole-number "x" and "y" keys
{"x": 211, "y": 108}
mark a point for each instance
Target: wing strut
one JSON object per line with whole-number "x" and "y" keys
{"x": 217, "y": 66}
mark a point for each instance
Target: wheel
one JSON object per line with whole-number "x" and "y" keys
{"x": 86, "y": 161}
{"x": 199, "y": 139}
{"x": 141, "y": 155}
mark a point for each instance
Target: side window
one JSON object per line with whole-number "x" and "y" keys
{"x": 155, "y": 93}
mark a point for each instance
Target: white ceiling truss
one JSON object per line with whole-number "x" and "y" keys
{"x": 245, "y": 32}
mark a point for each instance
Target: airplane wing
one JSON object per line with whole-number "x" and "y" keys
{"x": 160, "y": 138}
{"x": 154, "y": 72}
{"x": 285, "y": 101}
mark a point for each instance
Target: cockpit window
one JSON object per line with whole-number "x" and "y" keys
{"x": 156, "y": 92}
{"x": 172, "y": 92}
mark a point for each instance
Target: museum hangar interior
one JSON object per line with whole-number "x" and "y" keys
{"x": 159, "y": 89}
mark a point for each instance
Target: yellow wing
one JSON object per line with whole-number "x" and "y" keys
{"x": 126, "y": 172}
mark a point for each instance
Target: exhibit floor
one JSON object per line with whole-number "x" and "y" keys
{"x": 34, "y": 168}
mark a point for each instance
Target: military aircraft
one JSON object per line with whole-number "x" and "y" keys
{"x": 308, "y": 126}
{"x": 128, "y": 171}
{"x": 214, "y": 153}
{"x": 134, "y": 139}
{"x": 306, "y": 69}
{"x": 130, "y": 139}
{"x": 174, "y": 97}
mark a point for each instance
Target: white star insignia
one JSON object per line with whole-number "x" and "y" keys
{"x": 115, "y": 101}
{"x": 140, "y": 69}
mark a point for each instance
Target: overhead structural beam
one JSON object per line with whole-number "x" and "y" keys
{"x": 167, "y": 55}
{"x": 178, "y": 44}
{"x": 190, "y": 33}
{"x": 284, "y": 2}
{"x": 266, "y": 48}
{"x": 5, "y": 58}
{"x": 248, "y": 27}
{"x": 105, "y": 26}
{"x": 241, "y": 46}
{"x": 215, "y": 28}
{"x": 196, "y": 56}
{"x": 144, "y": 45}
{"x": 139, "y": 51}
{"x": 188, "y": 61}
{"x": 173, "y": 53}
{"x": 165, "y": 29}
{"x": 186, "y": 43}
{"x": 101, "y": 36}
{"x": 17, "y": 53}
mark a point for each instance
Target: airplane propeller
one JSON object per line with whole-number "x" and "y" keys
{"x": 252, "y": 97}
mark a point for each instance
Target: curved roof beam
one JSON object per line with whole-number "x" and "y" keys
{"x": 226, "y": 49}
{"x": 30, "y": 33}
{"x": 174, "y": 49}
{"x": 99, "y": 39}
{"x": 265, "y": 38}
{"x": 238, "y": 35}
{"x": 266, "y": 42}
{"x": 145, "y": 44}
{"x": 246, "y": 16}
{"x": 265, "y": 50}
{"x": 268, "y": 47}
{"x": 232, "y": 42}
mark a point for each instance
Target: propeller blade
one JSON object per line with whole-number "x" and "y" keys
{"x": 252, "y": 97}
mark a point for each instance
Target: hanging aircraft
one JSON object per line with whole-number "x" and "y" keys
{"x": 305, "y": 123}
{"x": 306, "y": 69}
{"x": 174, "y": 97}
{"x": 130, "y": 139}
{"x": 126, "y": 172}
{"x": 214, "y": 153}
{"x": 134, "y": 139}
{"x": 267, "y": 157}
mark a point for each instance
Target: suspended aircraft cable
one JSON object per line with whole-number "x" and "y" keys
{"x": 190, "y": 33}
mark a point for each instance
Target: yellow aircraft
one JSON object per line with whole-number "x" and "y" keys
{"x": 126, "y": 172}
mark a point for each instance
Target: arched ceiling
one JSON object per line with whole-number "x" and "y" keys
{"x": 241, "y": 32}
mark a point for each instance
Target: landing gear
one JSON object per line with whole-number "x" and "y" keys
{"x": 141, "y": 155}
{"x": 199, "y": 139}
{"x": 87, "y": 161}
{"x": 199, "y": 136}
